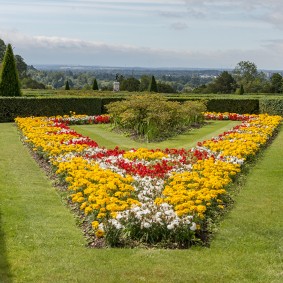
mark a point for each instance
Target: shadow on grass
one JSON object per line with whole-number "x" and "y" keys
{"x": 5, "y": 273}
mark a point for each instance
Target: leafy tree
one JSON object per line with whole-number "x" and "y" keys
{"x": 165, "y": 88}
{"x": 246, "y": 73}
{"x": 145, "y": 82}
{"x": 130, "y": 84}
{"x": 224, "y": 83}
{"x": 32, "y": 84}
{"x": 95, "y": 85}
{"x": 119, "y": 78}
{"x": 67, "y": 87}
{"x": 3, "y": 48}
{"x": 153, "y": 85}
{"x": 21, "y": 66}
{"x": 276, "y": 83}
{"x": 9, "y": 80}
{"x": 246, "y": 70}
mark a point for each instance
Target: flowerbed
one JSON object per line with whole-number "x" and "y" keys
{"x": 146, "y": 196}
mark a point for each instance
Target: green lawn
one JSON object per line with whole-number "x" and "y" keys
{"x": 40, "y": 242}
{"x": 102, "y": 135}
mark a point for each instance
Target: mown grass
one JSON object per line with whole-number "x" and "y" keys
{"x": 40, "y": 241}
{"x": 103, "y": 135}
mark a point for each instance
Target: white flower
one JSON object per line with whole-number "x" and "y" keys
{"x": 193, "y": 227}
{"x": 146, "y": 225}
{"x": 170, "y": 226}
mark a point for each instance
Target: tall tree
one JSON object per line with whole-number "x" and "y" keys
{"x": 9, "y": 80}
{"x": 145, "y": 82}
{"x": 246, "y": 74}
{"x": 224, "y": 83}
{"x": 130, "y": 84}
{"x": 276, "y": 83}
{"x": 67, "y": 87}
{"x": 2, "y": 49}
{"x": 95, "y": 85}
{"x": 153, "y": 85}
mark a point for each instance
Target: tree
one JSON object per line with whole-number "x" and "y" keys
{"x": 31, "y": 83}
{"x": 3, "y": 48}
{"x": 165, "y": 88}
{"x": 224, "y": 83}
{"x": 246, "y": 70}
{"x": 246, "y": 74}
{"x": 153, "y": 85}
{"x": 95, "y": 85}
{"x": 21, "y": 66}
{"x": 240, "y": 90}
{"x": 145, "y": 82}
{"x": 9, "y": 80}
{"x": 130, "y": 84}
{"x": 67, "y": 87}
{"x": 276, "y": 83}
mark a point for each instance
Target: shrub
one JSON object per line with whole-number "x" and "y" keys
{"x": 152, "y": 117}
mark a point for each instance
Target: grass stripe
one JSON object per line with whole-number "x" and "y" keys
{"x": 102, "y": 135}
{"x": 41, "y": 243}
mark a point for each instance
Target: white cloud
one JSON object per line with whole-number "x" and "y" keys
{"x": 270, "y": 12}
{"x": 57, "y": 50}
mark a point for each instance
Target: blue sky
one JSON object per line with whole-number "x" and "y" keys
{"x": 145, "y": 33}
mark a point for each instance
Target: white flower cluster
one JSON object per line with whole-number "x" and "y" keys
{"x": 150, "y": 215}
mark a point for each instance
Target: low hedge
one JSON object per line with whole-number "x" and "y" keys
{"x": 12, "y": 107}
{"x": 271, "y": 106}
{"x": 240, "y": 106}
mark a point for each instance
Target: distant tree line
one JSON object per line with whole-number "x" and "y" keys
{"x": 245, "y": 78}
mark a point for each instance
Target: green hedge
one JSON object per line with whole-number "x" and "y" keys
{"x": 12, "y": 107}
{"x": 271, "y": 106}
{"x": 231, "y": 105}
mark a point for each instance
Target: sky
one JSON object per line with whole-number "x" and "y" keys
{"x": 145, "y": 33}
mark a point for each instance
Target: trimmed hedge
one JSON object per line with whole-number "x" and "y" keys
{"x": 240, "y": 106}
{"x": 12, "y": 107}
{"x": 271, "y": 106}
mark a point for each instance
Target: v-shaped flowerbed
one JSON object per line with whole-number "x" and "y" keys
{"x": 146, "y": 196}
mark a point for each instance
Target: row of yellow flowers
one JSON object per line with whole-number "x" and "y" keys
{"x": 149, "y": 195}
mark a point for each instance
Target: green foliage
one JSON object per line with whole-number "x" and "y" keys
{"x": 2, "y": 49}
{"x": 145, "y": 82}
{"x": 21, "y": 66}
{"x": 9, "y": 81}
{"x": 165, "y": 88}
{"x": 94, "y": 85}
{"x": 67, "y": 86}
{"x": 28, "y": 82}
{"x": 224, "y": 83}
{"x": 10, "y": 108}
{"x": 152, "y": 117}
{"x": 153, "y": 85}
{"x": 271, "y": 106}
{"x": 130, "y": 84}
{"x": 276, "y": 83}
{"x": 241, "y": 106}
{"x": 240, "y": 91}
